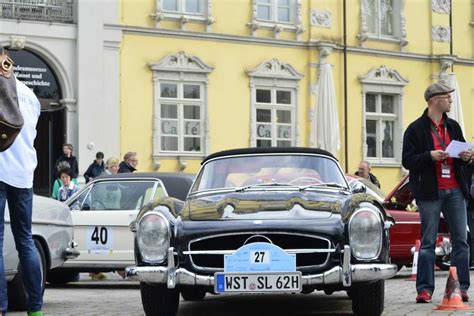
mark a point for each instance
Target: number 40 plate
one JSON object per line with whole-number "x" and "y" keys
{"x": 283, "y": 282}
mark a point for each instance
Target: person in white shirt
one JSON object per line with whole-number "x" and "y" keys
{"x": 17, "y": 165}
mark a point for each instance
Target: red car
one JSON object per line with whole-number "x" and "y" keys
{"x": 407, "y": 229}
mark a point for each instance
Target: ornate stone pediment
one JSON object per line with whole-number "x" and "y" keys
{"x": 383, "y": 75}
{"x": 181, "y": 62}
{"x": 275, "y": 69}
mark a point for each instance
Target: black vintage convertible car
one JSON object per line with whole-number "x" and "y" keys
{"x": 264, "y": 220}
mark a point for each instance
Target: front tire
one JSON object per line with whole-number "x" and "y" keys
{"x": 158, "y": 300}
{"x": 62, "y": 276}
{"x": 368, "y": 299}
{"x": 193, "y": 294}
{"x": 17, "y": 296}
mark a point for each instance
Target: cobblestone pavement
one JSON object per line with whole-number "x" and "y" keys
{"x": 116, "y": 297}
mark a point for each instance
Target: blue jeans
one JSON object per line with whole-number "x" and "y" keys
{"x": 453, "y": 205}
{"x": 20, "y": 204}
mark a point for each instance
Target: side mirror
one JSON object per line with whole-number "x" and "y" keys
{"x": 359, "y": 188}
{"x": 75, "y": 206}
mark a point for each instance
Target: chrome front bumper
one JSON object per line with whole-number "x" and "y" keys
{"x": 70, "y": 253}
{"x": 344, "y": 275}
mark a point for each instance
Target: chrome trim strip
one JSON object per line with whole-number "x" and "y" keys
{"x": 330, "y": 246}
{"x": 346, "y": 267}
{"x": 230, "y": 252}
{"x": 171, "y": 269}
{"x": 264, "y": 188}
{"x": 358, "y": 273}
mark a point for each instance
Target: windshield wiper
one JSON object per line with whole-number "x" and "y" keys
{"x": 271, "y": 184}
{"x": 329, "y": 184}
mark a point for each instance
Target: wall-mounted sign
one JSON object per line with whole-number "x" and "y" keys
{"x": 36, "y": 74}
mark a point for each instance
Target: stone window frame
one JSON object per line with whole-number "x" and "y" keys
{"x": 380, "y": 81}
{"x": 274, "y": 5}
{"x": 399, "y": 25}
{"x": 274, "y": 75}
{"x": 184, "y": 17}
{"x": 180, "y": 102}
{"x": 273, "y": 106}
{"x": 180, "y": 68}
{"x": 295, "y": 26}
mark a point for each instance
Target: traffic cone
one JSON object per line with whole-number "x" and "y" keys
{"x": 415, "y": 261}
{"x": 452, "y": 299}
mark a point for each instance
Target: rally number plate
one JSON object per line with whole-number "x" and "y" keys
{"x": 283, "y": 282}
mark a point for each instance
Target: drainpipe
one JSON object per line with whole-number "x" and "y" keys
{"x": 344, "y": 37}
{"x": 451, "y": 32}
{"x": 451, "y": 28}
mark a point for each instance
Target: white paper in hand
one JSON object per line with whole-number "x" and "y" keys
{"x": 456, "y": 147}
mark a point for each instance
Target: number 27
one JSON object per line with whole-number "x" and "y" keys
{"x": 259, "y": 255}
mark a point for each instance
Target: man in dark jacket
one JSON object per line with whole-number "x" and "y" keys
{"x": 69, "y": 158}
{"x": 96, "y": 167}
{"x": 438, "y": 184}
{"x": 364, "y": 172}
{"x": 129, "y": 163}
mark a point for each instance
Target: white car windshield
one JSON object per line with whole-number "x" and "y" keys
{"x": 118, "y": 195}
{"x": 269, "y": 169}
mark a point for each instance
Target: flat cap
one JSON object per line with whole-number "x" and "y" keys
{"x": 437, "y": 89}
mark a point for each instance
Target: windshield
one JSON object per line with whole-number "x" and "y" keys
{"x": 243, "y": 171}
{"x": 119, "y": 195}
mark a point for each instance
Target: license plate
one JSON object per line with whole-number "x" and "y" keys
{"x": 99, "y": 240}
{"x": 285, "y": 282}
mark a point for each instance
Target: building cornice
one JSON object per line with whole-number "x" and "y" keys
{"x": 423, "y": 57}
{"x": 209, "y": 36}
{"x": 135, "y": 30}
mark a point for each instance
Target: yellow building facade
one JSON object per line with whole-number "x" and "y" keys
{"x": 200, "y": 76}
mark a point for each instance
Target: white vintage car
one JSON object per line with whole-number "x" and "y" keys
{"x": 102, "y": 212}
{"x": 52, "y": 233}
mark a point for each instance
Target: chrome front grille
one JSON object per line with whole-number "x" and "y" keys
{"x": 207, "y": 253}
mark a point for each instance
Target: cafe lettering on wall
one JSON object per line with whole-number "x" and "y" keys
{"x": 264, "y": 131}
{"x": 171, "y": 128}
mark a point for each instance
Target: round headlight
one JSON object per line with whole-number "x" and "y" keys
{"x": 153, "y": 237}
{"x": 365, "y": 234}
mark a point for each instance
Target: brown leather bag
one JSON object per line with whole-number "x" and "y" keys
{"x": 11, "y": 120}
